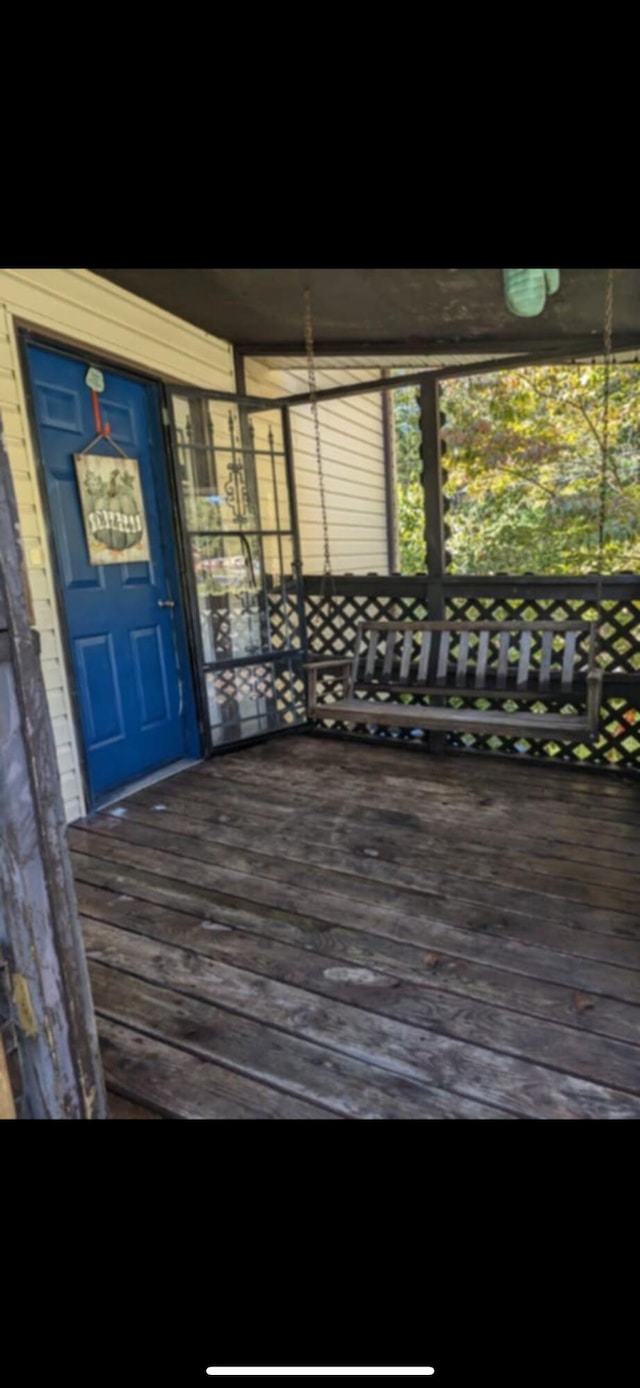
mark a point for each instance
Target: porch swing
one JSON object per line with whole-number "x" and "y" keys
{"x": 497, "y": 662}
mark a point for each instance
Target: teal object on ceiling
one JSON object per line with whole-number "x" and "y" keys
{"x": 526, "y": 291}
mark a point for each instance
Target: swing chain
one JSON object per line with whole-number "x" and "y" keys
{"x": 311, "y": 369}
{"x": 604, "y": 452}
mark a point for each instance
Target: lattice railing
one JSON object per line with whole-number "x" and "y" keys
{"x": 332, "y": 618}
{"x": 267, "y": 694}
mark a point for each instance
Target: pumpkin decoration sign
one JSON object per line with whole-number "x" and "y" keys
{"x": 113, "y": 509}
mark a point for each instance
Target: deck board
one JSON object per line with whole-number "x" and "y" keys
{"x": 309, "y": 928}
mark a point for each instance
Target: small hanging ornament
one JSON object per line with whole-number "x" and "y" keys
{"x": 526, "y": 291}
{"x": 94, "y": 379}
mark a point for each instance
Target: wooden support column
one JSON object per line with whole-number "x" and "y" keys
{"x": 246, "y": 440}
{"x": 48, "y": 994}
{"x": 433, "y": 498}
{"x": 7, "y": 1105}
{"x": 389, "y": 476}
{"x": 253, "y": 494}
{"x": 434, "y": 513}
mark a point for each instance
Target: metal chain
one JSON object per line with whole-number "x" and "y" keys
{"x": 311, "y": 370}
{"x": 604, "y": 459}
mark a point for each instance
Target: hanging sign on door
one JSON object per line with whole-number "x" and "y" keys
{"x": 113, "y": 509}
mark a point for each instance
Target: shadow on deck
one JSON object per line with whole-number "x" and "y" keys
{"x": 313, "y": 929}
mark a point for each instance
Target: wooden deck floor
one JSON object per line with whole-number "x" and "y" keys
{"x": 315, "y": 929}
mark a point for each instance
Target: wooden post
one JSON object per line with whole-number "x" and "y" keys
{"x": 7, "y": 1106}
{"x": 434, "y": 513}
{"x": 40, "y": 940}
{"x": 389, "y": 476}
{"x": 289, "y": 460}
{"x": 253, "y": 493}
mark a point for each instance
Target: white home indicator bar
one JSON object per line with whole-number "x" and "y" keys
{"x": 322, "y": 1373}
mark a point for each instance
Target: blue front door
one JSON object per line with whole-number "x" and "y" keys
{"x": 128, "y": 649}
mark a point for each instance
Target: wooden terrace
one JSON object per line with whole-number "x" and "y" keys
{"x": 309, "y": 928}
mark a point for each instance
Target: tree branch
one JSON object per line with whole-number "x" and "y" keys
{"x": 524, "y": 476}
{"x": 577, "y": 405}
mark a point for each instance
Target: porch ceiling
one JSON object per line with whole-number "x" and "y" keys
{"x": 384, "y": 312}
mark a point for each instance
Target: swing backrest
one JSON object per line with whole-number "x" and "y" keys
{"x": 493, "y": 659}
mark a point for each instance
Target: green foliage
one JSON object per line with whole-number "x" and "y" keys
{"x": 411, "y": 527}
{"x": 407, "y": 436}
{"x": 523, "y": 456}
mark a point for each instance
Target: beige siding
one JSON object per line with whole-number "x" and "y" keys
{"x": 82, "y": 309}
{"x": 353, "y": 466}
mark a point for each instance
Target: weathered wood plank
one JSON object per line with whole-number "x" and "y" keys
{"x": 371, "y": 654}
{"x": 481, "y": 659}
{"x": 568, "y": 658}
{"x": 425, "y": 1004}
{"x": 368, "y": 850}
{"x": 545, "y": 661}
{"x": 443, "y": 659}
{"x": 425, "y": 651}
{"x": 124, "y": 1108}
{"x": 405, "y": 659}
{"x": 359, "y": 649}
{"x": 330, "y": 907}
{"x": 438, "y": 819}
{"x": 269, "y": 948}
{"x": 522, "y": 677}
{"x": 463, "y": 655}
{"x": 547, "y": 896}
{"x": 471, "y": 1071}
{"x": 7, "y": 1104}
{"x": 348, "y": 1087}
{"x": 551, "y": 726}
{"x": 395, "y": 942}
{"x": 389, "y": 652}
{"x": 431, "y": 804}
{"x": 398, "y": 838}
{"x": 459, "y": 769}
{"x": 183, "y": 1085}
{"x": 412, "y": 767}
{"x": 503, "y": 659}
{"x": 452, "y": 768}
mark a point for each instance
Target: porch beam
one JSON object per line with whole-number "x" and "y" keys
{"x": 615, "y": 587}
{"x": 250, "y": 401}
{"x": 565, "y": 354}
{"x": 424, "y": 347}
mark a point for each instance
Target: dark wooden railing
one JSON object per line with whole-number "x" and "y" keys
{"x": 333, "y": 608}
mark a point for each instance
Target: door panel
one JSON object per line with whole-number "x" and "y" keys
{"x": 129, "y": 653}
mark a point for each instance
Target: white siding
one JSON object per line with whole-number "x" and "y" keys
{"x": 353, "y": 465}
{"x": 83, "y": 310}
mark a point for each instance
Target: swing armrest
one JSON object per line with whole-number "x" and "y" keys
{"x": 594, "y": 697}
{"x": 313, "y": 667}
{"x": 327, "y": 664}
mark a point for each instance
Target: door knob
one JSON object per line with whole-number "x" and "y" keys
{"x": 166, "y": 602}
